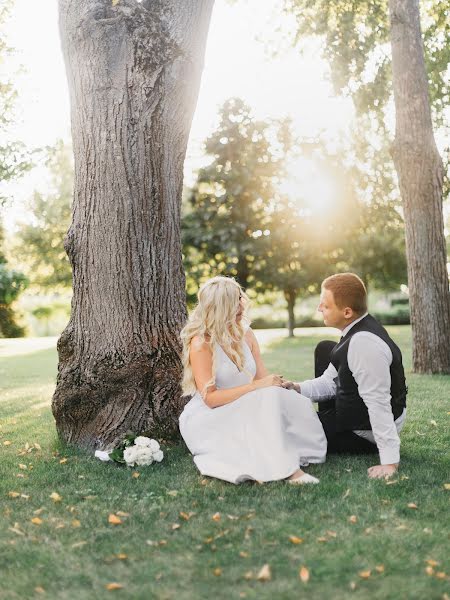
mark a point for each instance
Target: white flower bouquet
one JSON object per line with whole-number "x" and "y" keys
{"x": 134, "y": 450}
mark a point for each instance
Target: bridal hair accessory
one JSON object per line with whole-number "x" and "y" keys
{"x": 133, "y": 450}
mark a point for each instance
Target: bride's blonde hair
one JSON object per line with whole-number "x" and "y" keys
{"x": 213, "y": 320}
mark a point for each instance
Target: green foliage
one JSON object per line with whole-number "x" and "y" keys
{"x": 356, "y": 45}
{"x": 12, "y": 283}
{"x": 40, "y": 242}
{"x": 224, "y": 226}
{"x": 14, "y": 158}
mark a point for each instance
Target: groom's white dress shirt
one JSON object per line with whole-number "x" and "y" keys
{"x": 369, "y": 359}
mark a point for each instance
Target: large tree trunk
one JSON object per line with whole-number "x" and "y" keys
{"x": 133, "y": 71}
{"x": 420, "y": 174}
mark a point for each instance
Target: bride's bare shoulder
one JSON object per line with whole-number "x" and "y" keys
{"x": 200, "y": 344}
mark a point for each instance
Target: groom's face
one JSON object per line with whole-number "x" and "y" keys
{"x": 332, "y": 315}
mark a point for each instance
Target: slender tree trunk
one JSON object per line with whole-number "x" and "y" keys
{"x": 133, "y": 72}
{"x": 291, "y": 297}
{"x": 420, "y": 172}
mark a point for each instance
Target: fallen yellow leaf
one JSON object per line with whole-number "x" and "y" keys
{"x": 322, "y": 539}
{"x": 429, "y": 570}
{"x": 295, "y": 540}
{"x": 55, "y": 497}
{"x": 365, "y": 574}
{"x": 332, "y": 534}
{"x": 37, "y": 521}
{"x": 186, "y": 516}
{"x": 120, "y": 513}
{"x": 7, "y": 443}
{"x": 243, "y": 554}
{"x": 248, "y": 575}
{"x": 431, "y": 562}
{"x": 217, "y": 572}
{"x": 216, "y": 517}
{"x": 114, "y": 2}
{"x": 63, "y": 461}
{"x": 13, "y": 494}
{"x": 379, "y": 568}
{"x": 39, "y": 590}
{"x": 304, "y": 574}
{"x": 122, "y": 556}
{"x": 113, "y": 586}
{"x": 135, "y": 474}
{"x": 412, "y": 505}
{"x": 353, "y": 519}
{"x": 446, "y": 486}
{"x": 114, "y": 520}
{"x": 264, "y": 574}
{"x": 23, "y": 467}
{"x": 76, "y": 523}
{"x": 176, "y": 526}
{"x": 441, "y": 575}
{"x": 79, "y": 544}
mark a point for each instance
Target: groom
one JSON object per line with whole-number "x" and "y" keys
{"x": 359, "y": 382}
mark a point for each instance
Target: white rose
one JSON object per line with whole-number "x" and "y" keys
{"x": 154, "y": 445}
{"x": 102, "y": 455}
{"x": 144, "y": 456}
{"x": 130, "y": 455}
{"x": 141, "y": 440}
{"x": 158, "y": 455}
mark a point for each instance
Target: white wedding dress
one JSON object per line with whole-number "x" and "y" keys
{"x": 264, "y": 435}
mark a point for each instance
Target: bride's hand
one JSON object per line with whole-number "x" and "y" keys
{"x": 268, "y": 381}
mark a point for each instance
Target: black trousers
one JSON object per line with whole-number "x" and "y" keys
{"x": 339, "y": 442}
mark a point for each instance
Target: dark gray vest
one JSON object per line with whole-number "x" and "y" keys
{"x": 351, "y": 412}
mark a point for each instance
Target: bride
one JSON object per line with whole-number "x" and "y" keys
{"x": 240, "y": 422}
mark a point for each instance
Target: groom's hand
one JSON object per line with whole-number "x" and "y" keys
{"x": 382, "y": 471}
{"x": 291, "y": 385}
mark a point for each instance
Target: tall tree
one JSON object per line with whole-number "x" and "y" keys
{"x": 224, "y": 225}
{"x": 133, "y": 71}
{"x": 14, "y": 162}
{"x": 356, "y": 35}
{"x": 14, "y": 157}
{"x": 40, "y": 242}
{"x": 420, "y": 171}
{"x": 294, "y": 263}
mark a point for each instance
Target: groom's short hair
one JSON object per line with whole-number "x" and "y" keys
{"x": 348, "y": 291}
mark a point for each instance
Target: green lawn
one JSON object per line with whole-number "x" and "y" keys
{"x": 72, "y": 552}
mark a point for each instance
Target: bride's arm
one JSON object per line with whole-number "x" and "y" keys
{"x": 200, "y": 356}
{"x": 251, "y": 340}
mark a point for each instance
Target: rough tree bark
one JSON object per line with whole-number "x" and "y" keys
{"x": 133, "y": 71}
{"x": 420, "y": 172}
